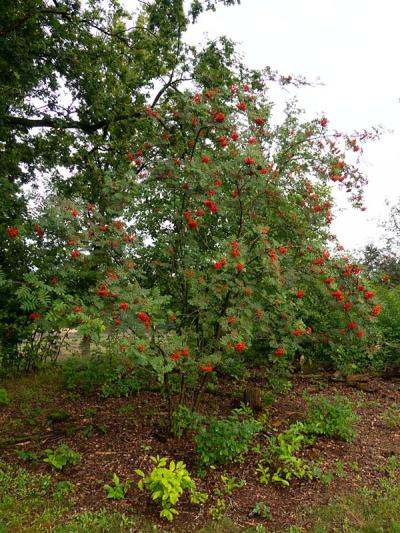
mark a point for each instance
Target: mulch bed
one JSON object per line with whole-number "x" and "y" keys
{"x": 131, "y": 436}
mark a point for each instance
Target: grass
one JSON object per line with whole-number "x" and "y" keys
{"x": 33, "y": 396}
{"x": 226, "y": 525}
{"x": 36, "y": 503}
{"x": 103, "y": 521}
{"x": 391, "y": 416}
{"x": 29, "y": 503}
{"x": 38, "y": 388}
{"x": 365, "y": 511}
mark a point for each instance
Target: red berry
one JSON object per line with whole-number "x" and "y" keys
{"x": 13, "y": 232}
{"x": 240, "y": 346}
{"x": 219, "y": 117}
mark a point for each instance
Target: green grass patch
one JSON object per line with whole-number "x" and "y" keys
{"x": 29, "y": 503}
{"x": 103, "y": 521}
{"x": 36, "y": 503}
{"x": 365, "y": 511}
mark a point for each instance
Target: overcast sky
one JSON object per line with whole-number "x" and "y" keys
{"x": 352, "y": 46}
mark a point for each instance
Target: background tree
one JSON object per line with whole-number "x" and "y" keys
{"x": 77, "y": 83}
{"x": 382, "y": 262}
{"x": 167, "y": 168}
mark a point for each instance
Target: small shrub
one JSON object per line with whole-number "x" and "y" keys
{"x": 4, "y": 398}
{"x": 61, "y": 457}
{"x": 118, "y": 490}
{"x": 89, "y": 429}
{"x": 230, "y": 484}
{"x": 325, "y": 477}
{"x": 331, "y": 417}
{"x": 184, "y": 419}
{"x": 280, "y": 463}
{"x": 340, "y": 472}
{"x": 85, "y": 375}
{"x": 218, "y": 510}
{"x": 167, "y": 484}
{"x": 262, "y": 510}
{"x": 225, "y": 440}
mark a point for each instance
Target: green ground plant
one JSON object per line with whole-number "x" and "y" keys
{"x": 29, "y": 502}
{"x": 262, "y": 510}
{"x": 61, "y": 457}
{"x": 166, "y": 483}
{"x": 391, "y": 416}
{"x": 331, "y": 417}
{"x": 221, "y": 441}
{"x": 231, "y": 483}
{"x": 4, "y": 398}
{"x": 280, "y": 461}
{"x": 117, "y": 490}
{"x": 218, "y": 510}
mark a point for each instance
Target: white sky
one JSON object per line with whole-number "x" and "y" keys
{"x": 352, "y": 46}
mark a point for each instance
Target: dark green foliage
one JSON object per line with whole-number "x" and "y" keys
{"x": 4, "y": 398}
{"x": 331, "y": 417}
{"x": 262, "y": 509}
{"x": 382, "y": 263}
{"x": 221, "y": 441}
{"x": 75, "y": 81}
{"x": 27, "y": 455}
{"x": 387, "y": 351}
{"x": 183, "y": 419}
{"x": 104, "y": 375}
{"x": 58, "y": 416}
{"x": 198, "y": 6}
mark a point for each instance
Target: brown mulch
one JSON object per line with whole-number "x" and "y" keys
{"x": 121, "y": 442}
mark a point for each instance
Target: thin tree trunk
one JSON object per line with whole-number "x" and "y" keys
{"x": 85, "y": 346}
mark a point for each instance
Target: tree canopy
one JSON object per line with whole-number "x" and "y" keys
{"x": 142, "y": 172}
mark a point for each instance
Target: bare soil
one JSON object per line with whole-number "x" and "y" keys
{"x": 119, "y": 435}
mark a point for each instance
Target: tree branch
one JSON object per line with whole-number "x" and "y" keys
{"x": 48, "y": 122}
